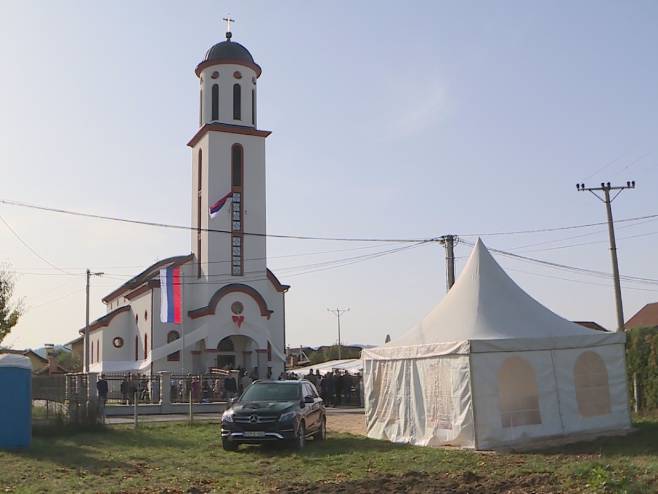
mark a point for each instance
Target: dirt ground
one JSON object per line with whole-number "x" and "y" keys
{"x": 350, "y": 420}
{"x": 423, "y": 483}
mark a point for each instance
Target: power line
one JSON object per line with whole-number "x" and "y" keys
{"x": 18, "y": 237}
{"x": 308, "y": 237}
{"x": 210, "y": 230}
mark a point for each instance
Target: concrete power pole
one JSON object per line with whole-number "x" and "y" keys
{"x": 448, "y": 241}
{"x": 338, "y": 312}
{"x": 86, "y": 336}
{"x": 606, "y": 188}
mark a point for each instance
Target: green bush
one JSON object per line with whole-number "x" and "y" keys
{"x": 642, "y": 362}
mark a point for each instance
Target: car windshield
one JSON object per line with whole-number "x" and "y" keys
{"x": 271, "y": 392}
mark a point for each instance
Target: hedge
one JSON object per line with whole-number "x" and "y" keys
{"x": 642, "y": 362}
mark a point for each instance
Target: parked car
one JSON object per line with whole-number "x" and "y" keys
{"x": 270, "y": 411}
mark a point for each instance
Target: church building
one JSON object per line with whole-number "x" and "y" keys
{"x": 233, "y": 306}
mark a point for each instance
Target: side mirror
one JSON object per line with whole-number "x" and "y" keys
{"x": 308, "y": 399}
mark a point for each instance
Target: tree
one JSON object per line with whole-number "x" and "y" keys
{"x": 69, "y": 361}
{"x": 9, "y": 312}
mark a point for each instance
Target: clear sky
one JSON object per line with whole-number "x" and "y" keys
{"x": 389, "y": 119}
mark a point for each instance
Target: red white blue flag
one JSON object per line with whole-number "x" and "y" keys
{"x": 171, "y": 295}
{"x": 214, "y": 209}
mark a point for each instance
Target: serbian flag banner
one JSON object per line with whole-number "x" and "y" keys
{"x": 214, "y": 209}
{"x": 171, "y": 295}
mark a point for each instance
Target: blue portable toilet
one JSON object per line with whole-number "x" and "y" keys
{"x": 16, "y": 410}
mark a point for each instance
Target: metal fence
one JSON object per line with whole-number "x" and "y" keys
{"x": 124, "y": 388}
{"x": 204, "y": 388}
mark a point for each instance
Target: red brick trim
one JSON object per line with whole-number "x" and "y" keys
{"x": 225, "y": 290}
{"x": 277, "y": 284}
{"x": 231, "y": 129}
{"x": 103, "y": 322}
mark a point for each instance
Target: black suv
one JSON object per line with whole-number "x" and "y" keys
{"x": 269, "y": 411}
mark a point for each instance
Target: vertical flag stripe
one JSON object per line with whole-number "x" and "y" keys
{"x": 171, "y": 295}
{"x": 164, "y": 302}
{"x": 177, "y": 288}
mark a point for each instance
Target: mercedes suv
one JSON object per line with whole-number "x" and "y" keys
{"x": 267, "y": 411}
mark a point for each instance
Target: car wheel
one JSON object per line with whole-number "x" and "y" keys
{"x": 300, "y": 440}
{"x": 229, "y": 445}
{"x": 321, "y": 435}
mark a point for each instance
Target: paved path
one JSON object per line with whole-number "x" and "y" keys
{"x": 338, "y": 419}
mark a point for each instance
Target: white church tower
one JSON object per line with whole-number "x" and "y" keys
{"x": 233, "y": 306}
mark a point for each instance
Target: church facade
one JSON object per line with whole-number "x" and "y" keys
{"x": 233, "y": 306}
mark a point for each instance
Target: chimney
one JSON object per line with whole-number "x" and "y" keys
{"x": 52, "y": 358}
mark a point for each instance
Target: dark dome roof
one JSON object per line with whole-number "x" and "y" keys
{"x": 228, "y": 50}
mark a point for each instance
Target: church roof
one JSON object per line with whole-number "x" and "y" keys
{"x": 147, "y": 274}
{"x": 228, "y": 52}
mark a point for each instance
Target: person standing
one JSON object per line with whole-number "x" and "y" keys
{"x": 102, "y": 388}
{"x": 124, "y": 390}
{"x": 339, "y": 380}
{"x": 245, "y": 381}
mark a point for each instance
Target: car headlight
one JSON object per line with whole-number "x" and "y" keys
{"x": 287, "y": 417}
{"x": 227, "y": 416}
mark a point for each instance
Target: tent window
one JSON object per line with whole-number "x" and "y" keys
{"x": 436, "y": 376}
{"x": 518, "y": 395}
{"x": 591, "y": 380}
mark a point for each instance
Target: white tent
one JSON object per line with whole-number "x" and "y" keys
{"x": 350, "y": 365}
{"x": 490, "y": 366}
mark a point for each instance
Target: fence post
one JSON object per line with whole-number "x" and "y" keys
{"x": 135, "y": 414}
{"x": 191, "y": 416}
{"x": 165, "y": 388}
{"x": 636, "y": 395}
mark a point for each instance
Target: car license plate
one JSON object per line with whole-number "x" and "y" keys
{"x": 254, "y": 434}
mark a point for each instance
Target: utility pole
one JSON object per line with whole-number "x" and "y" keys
{"x": 448, "y": 241}
{"x": 86, "y": 338}
{"x": 338, "y": 312}
{"x": 606, "y": 188}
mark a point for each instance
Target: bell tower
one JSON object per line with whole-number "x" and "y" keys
{"x": 228, "y": 169}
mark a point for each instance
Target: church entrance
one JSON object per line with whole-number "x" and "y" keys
{"x": 236, "y": 352}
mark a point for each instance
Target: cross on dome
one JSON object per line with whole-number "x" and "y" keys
{"x": 228, "y": 20}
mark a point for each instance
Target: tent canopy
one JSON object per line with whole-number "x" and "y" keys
{"x": 487, "y": 311}
{"x": 350, "y": 365}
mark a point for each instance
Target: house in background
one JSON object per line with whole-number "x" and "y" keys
{"x": 591, "y": 325}
{"x": 40, "y": 365}
{"x": 646, "y": 317}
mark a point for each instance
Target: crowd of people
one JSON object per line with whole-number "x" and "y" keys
{"x": 336, "y": 387}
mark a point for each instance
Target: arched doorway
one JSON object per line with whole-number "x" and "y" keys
{"x": 235, "y": 352}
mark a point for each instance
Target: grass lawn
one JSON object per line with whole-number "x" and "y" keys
{"x": 173, "y": 458}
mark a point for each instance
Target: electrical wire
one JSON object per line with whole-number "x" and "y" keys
{"x": 18, "y": 237}
{"x": 210, "y": 230}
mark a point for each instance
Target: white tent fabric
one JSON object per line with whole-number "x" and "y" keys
{"x": 491, "y": 366}
{"x": 350, "y": 365}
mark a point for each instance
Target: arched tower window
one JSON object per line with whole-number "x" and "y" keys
{"x": 237, "y": 176}
{"x": 236, "y": 165}
{"x": 146, "y": 345}
{"x": 198, "y": 212}
{"x": 518, "y": 395}
{"x": 215, "y": 102}
{"x": 237, "y": 102}
{"x": 173, "y": 336}
{"x": 136, "y": 347}
{"x": 591, "y": 380}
